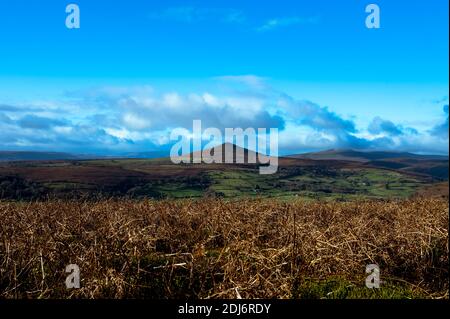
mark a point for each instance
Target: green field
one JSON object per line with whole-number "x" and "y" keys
{"x": 140, "y": 178}
{"x": 338, "y": 184}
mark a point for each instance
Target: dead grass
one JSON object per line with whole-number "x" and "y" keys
{"x": 220, "y": 249}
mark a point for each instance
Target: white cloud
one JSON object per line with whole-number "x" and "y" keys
{"x": 285, "y": 22}
{"x": 173, "y": 100}
{"x": 117, "y": 119}
{"x": 212, "y": 100}
{"x": 135, "y": 122}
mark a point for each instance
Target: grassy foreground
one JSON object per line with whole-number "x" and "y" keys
{"x": 212, "y": 248}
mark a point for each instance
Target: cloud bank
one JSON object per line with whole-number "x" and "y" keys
{"x": 115, "y": 120}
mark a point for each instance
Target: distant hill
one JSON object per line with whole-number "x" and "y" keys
{"x": 364, "y": 156}
{"x": 16, "y": 156}
{"x": 239, "y": 154}
{"x": 436, "y": 166}
{"x": 30, "y": 175}
{"x": 12, "y": 156}
{"x": 143, "y": 155}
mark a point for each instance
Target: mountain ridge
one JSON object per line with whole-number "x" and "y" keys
{"x": 364, "y": 156}
{"x": 331, "y": 154}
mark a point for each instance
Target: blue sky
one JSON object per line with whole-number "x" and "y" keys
{"x": 137, "y": 69}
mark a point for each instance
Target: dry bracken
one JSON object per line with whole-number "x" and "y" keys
{"x": 213, "y": 248}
